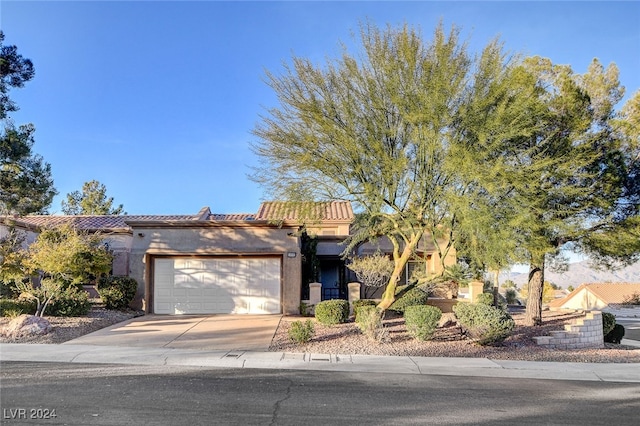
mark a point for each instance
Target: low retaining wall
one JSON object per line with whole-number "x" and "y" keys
{"x": 583, "y": 333}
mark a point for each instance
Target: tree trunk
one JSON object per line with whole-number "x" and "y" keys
{"x": 389, "y": 295}
{"x": 533, "y": 314}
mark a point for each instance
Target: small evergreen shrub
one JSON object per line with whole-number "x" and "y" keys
{"x": 369, "y": 321}
{"x": 70, "y": 302}
{"x": 362, "y": 302}
{"x": 329, "y": 312}
{"x": 9, "y": 307}
{"x": 9, "y": 290}
{"x": 117, "y": 292}
{"x": 485, "y": 299}
{"x": 608, "y": 322}
{"x": 421, "y": 321}
{"x": 306, "y": 310}
{"x": 615, "y": 335}
{"x": 408, "y": 296}
{"x": 511, "y": 296}
{"x": 301, "y": 332}
{"x": 485, "y": 323}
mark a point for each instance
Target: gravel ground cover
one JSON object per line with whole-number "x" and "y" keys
{"x": 346, "y": 339}
{"x": 449, "y": 341}
{"x": 68, "y": 328}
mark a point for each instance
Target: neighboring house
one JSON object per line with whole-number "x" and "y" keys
{"x": 226, "y": 263}
{"x": 597, "y": 296}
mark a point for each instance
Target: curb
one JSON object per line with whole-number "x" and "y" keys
{"x": 469, "y": 367}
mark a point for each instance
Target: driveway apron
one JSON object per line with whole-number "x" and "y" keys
{"x": 210, "y": 332}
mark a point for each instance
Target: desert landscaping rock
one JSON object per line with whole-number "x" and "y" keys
{"x": 346, "y": 339}
{"x": 26, "y": 326}
{"x": 449, "y": 341}
{"x": 67, "y": 328}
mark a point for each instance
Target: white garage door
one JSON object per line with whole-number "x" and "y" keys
{"x": 217, "y": 286}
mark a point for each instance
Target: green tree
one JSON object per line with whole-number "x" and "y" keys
{"x": 68, "y": 255}
{"x": 570, "y": 182}
{"x": 91, "y": 201}
{"x": 388, "y": 130}
{"x": 14, "y": 72}
{"x": 509, "y": 284}
{"x": 26, "y": 185}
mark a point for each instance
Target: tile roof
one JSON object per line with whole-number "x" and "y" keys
{"x": 329, "y": 210}
{"x": 609, "y": 293}
{"x": 272, "y": 210}
{"x": 92, "y": 223}
{"x": 231, "y": 216}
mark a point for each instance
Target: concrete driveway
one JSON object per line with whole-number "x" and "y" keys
{"x": 210, "y": 332}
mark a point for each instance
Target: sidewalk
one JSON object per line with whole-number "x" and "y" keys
{"x": 476, "y": 367}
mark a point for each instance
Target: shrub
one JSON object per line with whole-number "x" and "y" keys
{"x": 421, "y": 321}
{"x": 485, "y": 323}
{"x": 70, "y": 302}
{"x": 511, "y": 296}
{"x": 306, "y": 310}
{"x": 9, "y": 290}
{"x": 632, "y": 299}
{"x": 362, "y": 302}
{"x": 615, "y": 335}
{"x": 485, "y": 299}
{"x": 331, "y": 312}
{"x": 11, "y": 307}
{"x": 369, "y": 321}
{"x": 408, "y": 296}
{"x": 117, "y": 292}
{"x": 301, "y": 332}
{"x": 608, "y": 322}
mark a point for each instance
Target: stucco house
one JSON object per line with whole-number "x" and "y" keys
{"x": 207, "y": 263}
{"x": 597, "y": 296}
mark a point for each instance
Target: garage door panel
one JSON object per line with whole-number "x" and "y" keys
{"x": 201, "y": 286}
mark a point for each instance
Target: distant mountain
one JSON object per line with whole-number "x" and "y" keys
{"x": 580, "y": 273}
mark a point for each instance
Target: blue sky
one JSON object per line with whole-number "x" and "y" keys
{"x": 157, "y": 99}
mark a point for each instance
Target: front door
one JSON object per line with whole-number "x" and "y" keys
{"x": 330, "y": 279}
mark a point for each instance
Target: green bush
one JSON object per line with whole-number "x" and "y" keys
{"x": 9, "y": 290}
{"x": 608, "y": 322}
{"x": 485, "y": 299}
{"x": 511, "y": 296}
{"x": 362, "y": 302}
{"x": 331, "y": 312}
{"x": 369, "y": 321}
{"x": 70, "y": 302}
{"x": 485, "y": 323}
{"x": 408, "y": 296}
{"x": 9, "y": 307}
{"x": 615, "y": 335}
{"x": 301, "y": 332}
{"x": 421, "y": 321}
{"x": 117, "y": 292}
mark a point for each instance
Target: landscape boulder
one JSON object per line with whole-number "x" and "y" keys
{"x": 27, "y": 325}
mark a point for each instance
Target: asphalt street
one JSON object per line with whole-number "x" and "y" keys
{"x": 95, "y": 394}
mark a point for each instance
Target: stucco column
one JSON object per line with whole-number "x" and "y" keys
{"x": 354, "y": 293}
{"x": 475, "y": 289}
{"x": 314, "y": 293}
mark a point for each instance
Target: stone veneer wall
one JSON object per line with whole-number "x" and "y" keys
{"x": 583, "y": 333}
